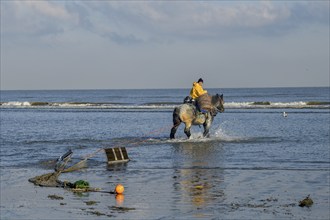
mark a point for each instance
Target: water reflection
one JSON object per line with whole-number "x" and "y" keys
{"x": 117, "y": 166}
{"x": 120, "y": 199}
{"x": 198, "y": 176}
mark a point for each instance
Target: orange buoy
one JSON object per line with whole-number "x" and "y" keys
{"x": 119, "y": 189}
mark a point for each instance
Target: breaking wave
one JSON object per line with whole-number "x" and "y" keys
{"x": 228, "y": 105}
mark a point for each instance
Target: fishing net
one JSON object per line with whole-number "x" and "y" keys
{"x": 48, "y": 179}
{"x": 204, "y": 102}
{"x": 51, "y": 179}
{"x": 80, "y": 165}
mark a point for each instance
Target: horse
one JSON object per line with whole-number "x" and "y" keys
{"x": 189, "y": 114}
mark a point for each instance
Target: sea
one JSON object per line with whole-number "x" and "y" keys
{"x": 266, "y": 152}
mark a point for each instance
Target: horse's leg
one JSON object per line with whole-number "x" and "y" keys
{"x": 206, "y": 131}
{"x": 176, "y": 123}
{"x": 187, "y": 129}
{"x": 207, "y": 126}
{"x": 173, "y": 130}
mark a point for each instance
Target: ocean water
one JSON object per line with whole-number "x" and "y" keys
{"x": 256, "y": 164}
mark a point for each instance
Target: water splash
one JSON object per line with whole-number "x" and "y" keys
{"x": 223, "y": 134}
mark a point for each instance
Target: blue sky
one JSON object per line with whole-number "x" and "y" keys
{"x": 163, "y": 44}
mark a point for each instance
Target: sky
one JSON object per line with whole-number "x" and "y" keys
{"x": 163, "y": 44}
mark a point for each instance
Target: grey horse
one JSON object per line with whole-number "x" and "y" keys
{"x": 188, "y": 114}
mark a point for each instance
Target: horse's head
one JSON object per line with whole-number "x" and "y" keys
{"x": 218, "y": 102}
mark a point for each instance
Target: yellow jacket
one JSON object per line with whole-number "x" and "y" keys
{"x": 197, "y": 90}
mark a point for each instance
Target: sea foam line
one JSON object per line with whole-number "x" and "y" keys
{"x": 228, "y": 105}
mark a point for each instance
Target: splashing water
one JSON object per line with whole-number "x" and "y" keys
{"x": 223, "y": 134}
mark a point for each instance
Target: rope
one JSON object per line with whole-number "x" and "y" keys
{"x": 132, "y": 141}
{"x": 156, "y": 131}
{"x": 82, "y": 163}
{"x": 93, "y": 154}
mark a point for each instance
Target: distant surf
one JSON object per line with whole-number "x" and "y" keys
{"x": 165, "y": 106}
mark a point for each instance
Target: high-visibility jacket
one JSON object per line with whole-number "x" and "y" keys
{"x": 197, "y": 90}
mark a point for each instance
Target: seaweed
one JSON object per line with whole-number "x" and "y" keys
{"x": 81, "y": 184}
{"x": 306, "y": 202}
{"x": 120, "y": 209}
{"x": 55, "y": 197}
{"x": 91, "y": 202}
{"x": 261, "y": 103}
{"x": 317, "y": 103}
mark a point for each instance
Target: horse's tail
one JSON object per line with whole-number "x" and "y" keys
{"x": 176, "y": 121}
{"x": 176, "y": 116}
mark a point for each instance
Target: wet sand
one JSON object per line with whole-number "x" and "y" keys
{"x": 191, "y": 193}
{"x": 257, "y": 164}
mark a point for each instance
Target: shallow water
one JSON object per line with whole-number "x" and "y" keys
{"x": 256, "y": 164}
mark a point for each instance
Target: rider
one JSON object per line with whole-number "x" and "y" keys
{"x": 197, "y": 90}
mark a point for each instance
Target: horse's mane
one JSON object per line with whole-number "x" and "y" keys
{"x": 214, "y": 99}
{"x": 209, "y": 98}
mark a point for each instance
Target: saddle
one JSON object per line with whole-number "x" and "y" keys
{"x": 203, "y": 104}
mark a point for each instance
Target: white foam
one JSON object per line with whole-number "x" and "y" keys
{"x": 228, "y": 105}
{"x": 246, "y": 105}
{"x": 289, "y": 104}
{"x": 238, "y": 105}
{"x": 13, "y": 104}
{"x": 222, "y": 134}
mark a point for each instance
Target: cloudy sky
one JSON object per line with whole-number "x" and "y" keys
{"x": 163, "y": 44}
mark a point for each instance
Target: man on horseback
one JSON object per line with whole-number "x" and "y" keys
{"x": 199, "y": 108}
{"x": 195, "y": 92}
{"x": 197, "y": 89}
{"x": 189, "y": 115}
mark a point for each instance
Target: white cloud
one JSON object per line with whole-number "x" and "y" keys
{"x": 160, "y": 21}
{"x": 237, "y": 15}
{"x": 228, "y": 41}
{"x": 147, "y": 20}
{"x": 35, "y": 18}
{"x": 48, "y": 9}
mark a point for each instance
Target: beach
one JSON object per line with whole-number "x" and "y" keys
{"x": 188, "y": 194}
{"x": 256, "y": 164}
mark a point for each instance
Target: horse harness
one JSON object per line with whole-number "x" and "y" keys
{"x": 213, "y": 111}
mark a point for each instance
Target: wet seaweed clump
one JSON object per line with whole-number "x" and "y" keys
{"x": 81, "y": 184}
{"x": 91, "y": 202}
{"x": 121, "y": 209}
{"x": 306, "y": 202}
{"x": 317, "y": 103}
{"x": 39, "y": 103}
{"x": 48, "y": 179}
{"x": 97, "y": 213}
{"x": 55, "y": 197}
{"x": 261, "y": 103}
